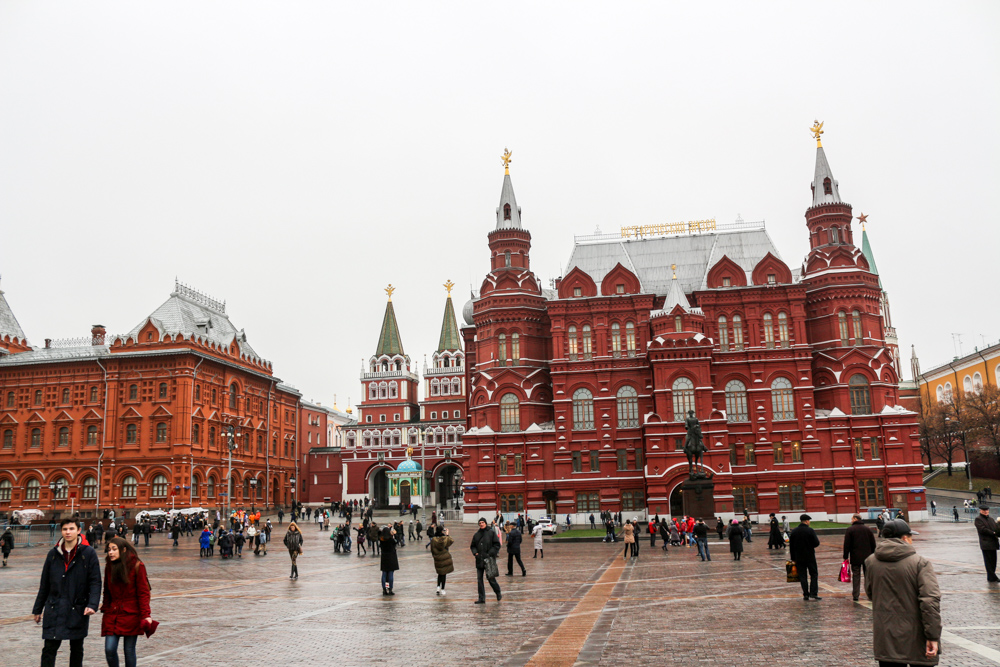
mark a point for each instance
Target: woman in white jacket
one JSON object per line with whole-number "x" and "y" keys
{"x": 539, "y": 543}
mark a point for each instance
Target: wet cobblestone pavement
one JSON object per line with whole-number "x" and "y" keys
{"x": 582, "y": 604}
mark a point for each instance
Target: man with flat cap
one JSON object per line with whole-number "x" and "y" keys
{"x": 802, "y": 545}
{"x": 988, "y": 542}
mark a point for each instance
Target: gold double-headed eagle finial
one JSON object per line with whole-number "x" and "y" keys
{"x": 506, "y": 161}
{"x": 389, "y": 290}
{"x": 673, "y": 267}
{"x": 817, "y": 129}
{"x": 448, "y": 285}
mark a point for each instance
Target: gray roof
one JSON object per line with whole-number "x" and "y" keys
{"x": 823, "y": 172}
{"x": 507, "y": 197}
{"x": 39, "y": 355}
{"x": 694, "y": 255}
{"x": 8, "y": 323}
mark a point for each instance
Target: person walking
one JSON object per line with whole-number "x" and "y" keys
{"x": 906, "y": 600}
{"x": 988, "y": 531}
{"x": 514, "y": 550}
{"x": 859, "y": 544}
{"x": 701, "y": 538}
{"x": 802, "y": 545}
{"x": 774, "y": 538}
{"x": 412, "y": 532}
{"x": 539, "y": 540}
{"x": 628, "y": 534}
{"x": 388, "y": 562}
{"x": 664, "y": 534}
{"x": 6, "y": 544}
{"x": 735, "y": 535}
{"x": 720, "y": 528}
{"x": 263, "y": 536}
{"x": 374, "y": 538}
{"x": 205, "y": 542}
{"x": 362, "y": 536}
{"x": 68, "y": 594}
{"x": 954, "y": 512}
{"x": 651, "y": 527}
{"x": 293, "y": 542}
{"x": 933, "y": 508}
{"x": 440, "y": 542}
{"x": 126, "y": 602}
{"x": 145, "y": 532}
{"x": 281, "y": 516}
{"x": 485, "y": 547}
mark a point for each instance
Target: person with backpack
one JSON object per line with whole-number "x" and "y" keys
{"x": 126, "y": 602}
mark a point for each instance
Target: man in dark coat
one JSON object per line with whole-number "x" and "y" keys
{"x": 69, "y": 593}
{"x": 802, "y": 545}
{"x": 859, "y": 544}
{"x": 514, "y": 550}
{"x": 485, "y": 544}
{"x": 987, "y": 528}
{"x": 774, "y": 538}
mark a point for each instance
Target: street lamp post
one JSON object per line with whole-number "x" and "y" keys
{"x": 291, "y": 481}
{"x": 229, "y": 476}
{"x": 253, "y": 495}
{"x": 56, "y": 488}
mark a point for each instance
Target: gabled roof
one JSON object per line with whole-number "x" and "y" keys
{"x": 450, "y": 339}
{"x": 8, "y": 323}
{"x": 651, "y": 258}
{"x": 389, "y": 342}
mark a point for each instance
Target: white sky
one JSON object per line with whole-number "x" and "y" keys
{"x": 294, "y": 157}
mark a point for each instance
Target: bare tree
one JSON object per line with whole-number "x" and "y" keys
{"x": 983, "y": 409}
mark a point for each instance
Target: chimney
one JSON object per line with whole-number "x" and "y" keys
{"x": 97, "y": 334}
{"x": 48, "y": 343}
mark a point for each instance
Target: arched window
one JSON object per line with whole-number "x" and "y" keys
{"x": 195, "y": 486}
{"x": 163, "y": 390}
{"x": 36, "y": 437}
{"x": 197, "y": 392}
{"x": 834, "y": 234}
{"x": 940, "y": 394}
{"x": 628, "y": 407}
{"x": 683, "y": 390}
{"x": 573, "y": 349}
{"x": 65, "y": 396}
{"x": 782, "y": 399}
{"x": 723, "y": 334}
{"x": 967, "y": 385}
{"x": 510, "y": 414}
{"x": 506, "y": 259}
{"x": 515, "y": 347}
{"x": 161, "y": 432}
{"x": 211, "y": 436}
{"x": 5, "y": 489}
{"x": 93, "y": 394}
{"x": 8, "y": 439}
{"x": 736, "y": 402}
{"x": 210, "y": 488}
{"x": 844, "y": 335}
{"x": 133, "y": 392}
{"x": 502, "y": 348}
{"x": 372, "y": 391}
{"x": 861, "y": 399}
{"x": 215, "y": 396}
{"x": 630, "y": 338}
{"x": 350, "y": 439}
{"x": 128, "y": 487}
{"x": 678, "y": 324}
{"x": 64, "y": 436}
{"x": 89, "y": 488}
{"x": 92, "y": 435}
{"x": 977, "y": 382}
{"x": 783, "y": 330}
{"x": 383, "y": 389}
{"x": 588, "y": 343}
{"x": 435, "y": 387}
{"x": 246, "y": 487}
{"x": 131, "y": 434}
{"x": 195, "y": 433}
{"x": 31, "y": 489}
{"x": 768, "y": 331}
{"x": 456, "y": 386}
{"x": 737, "y": 333}
{"x": 393, "y": 389}
{"x": 159, "y": 487}
{"x": 10, "y": 400}
{"x": 62, "y": 489}
{"x": 616, "y": 339}
{"x": 856, "y": 316}
{"x": 583, "y": 410}
{"x": 233, "y": 391}
{"x": 947, "y": 392}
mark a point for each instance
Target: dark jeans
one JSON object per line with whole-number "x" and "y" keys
{"x": 442, "y": 578}
{"x": 856, "y": 571}
{"x": 990, "y": 560}
{"x": 635, "y": 547}
{"x": 703, "y": 548}
{"x": 510, "y": 562}
{"x": 387, "y": 579}
{"x": 482, "y": 589}
{"x": 111, "y": 650}
{"x": 805, "y": 569}
{"x": 52, "y": 647}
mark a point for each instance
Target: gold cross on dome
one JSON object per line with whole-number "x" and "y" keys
{"x": 448, "y": 285}
{"x": 506, "y": 161}
{"x": 389, "y": 290}
{"x": 817, "y": 129}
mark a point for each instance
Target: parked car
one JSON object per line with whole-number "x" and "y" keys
{"x": 548, "y": 528}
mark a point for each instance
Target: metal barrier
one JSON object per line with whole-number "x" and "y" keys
{"x": 449, "y": 515}
{"x": 35, "y": 534}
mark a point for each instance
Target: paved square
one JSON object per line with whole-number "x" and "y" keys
{"x": 581, "y": 604}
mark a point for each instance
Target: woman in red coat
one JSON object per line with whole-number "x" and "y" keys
{"x": 126, "y": 601}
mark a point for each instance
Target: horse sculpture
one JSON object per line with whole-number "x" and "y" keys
{"x": 694, "y": 447}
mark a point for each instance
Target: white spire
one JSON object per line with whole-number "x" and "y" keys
{"x": 508, "y": 212}
{"x": 676, "y": 297}
{"x": 824, "y": 185}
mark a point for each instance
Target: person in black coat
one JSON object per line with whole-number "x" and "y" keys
{"x": 388, "y": 563}
{"x": 774, "y": 538}
{"x": 735, "y": 535}
{"x": 802, "y": 545}
{"x": 988, "y": 542}
{"x": 859, "y": 544}
{"x": 485, "y": 544}
{"x": 664, "y": 533}
{"x": 514, "y": 550}
{"x": 69, "y": 593}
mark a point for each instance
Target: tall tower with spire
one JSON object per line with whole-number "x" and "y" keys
{"x": 444, "y": 381}
{"x": 12, "y": 338}
{"x": 389, "y": 384}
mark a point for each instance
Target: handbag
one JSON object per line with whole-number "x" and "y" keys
{"x": 845, "y": 571}
{"x": 490, "y": 567}
{"x": 791, "y": 572}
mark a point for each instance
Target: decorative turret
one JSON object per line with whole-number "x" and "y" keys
{"x": 829, "y": 217}
{"x": 449, "y": 341}
{"x": 509, "y": 242}
{"x": 824, "y": 186}
{"x": 12, "y": 338}
{"x": 389, "y": 342}
{"x": 508, "y": 212}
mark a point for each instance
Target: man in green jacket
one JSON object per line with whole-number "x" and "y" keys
{"x": 906, "y": 600}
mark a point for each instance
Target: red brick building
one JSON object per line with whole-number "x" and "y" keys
{"x": 577, "y": 395}
{"x": 321, "y": 473}
{"x": 144, "y": 419}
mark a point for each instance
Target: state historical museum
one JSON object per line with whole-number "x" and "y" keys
{"x": 577, "y": 395}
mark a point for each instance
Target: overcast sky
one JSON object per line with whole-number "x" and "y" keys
{"x": 293, "y": 158}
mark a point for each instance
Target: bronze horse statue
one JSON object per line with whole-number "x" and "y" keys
{"x": 694, "y": 447}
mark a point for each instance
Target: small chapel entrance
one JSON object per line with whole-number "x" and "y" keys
{"x": 404, "y": 493}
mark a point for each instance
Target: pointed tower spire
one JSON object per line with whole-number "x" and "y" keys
{"x": 389, "y": 342}
{"x": 8, "y": 323}
{"x": 866, "y": 248}
{"x": 508, "y": 212}
{"x": 450, "y": 339}
{"x": 824, "y": 186}
{"x": 676, "y": 296}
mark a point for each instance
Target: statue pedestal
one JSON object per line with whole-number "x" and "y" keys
{"x": 699, "y": 498}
